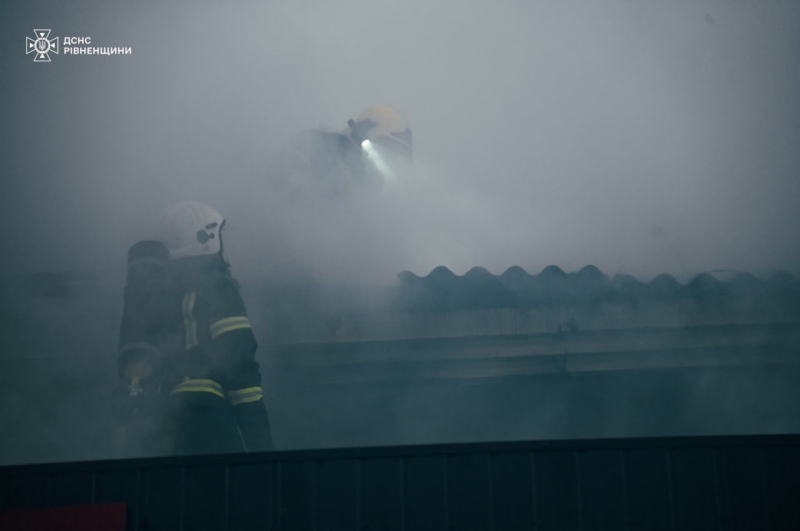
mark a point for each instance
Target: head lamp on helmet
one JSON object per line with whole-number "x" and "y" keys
{"x": 386, "y": 128}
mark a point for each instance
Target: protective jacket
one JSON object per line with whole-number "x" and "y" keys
{"x": 318, "y": 163}
{"x": 186, "y": 334}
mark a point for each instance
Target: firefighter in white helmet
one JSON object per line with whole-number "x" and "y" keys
{"x": 186, "y": 346}
{"x": 371, "y": 150}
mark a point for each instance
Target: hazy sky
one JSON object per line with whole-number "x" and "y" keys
{"x": 646, "y": 136}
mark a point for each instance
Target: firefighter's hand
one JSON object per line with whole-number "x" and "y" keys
{"x": 126, "y": 399}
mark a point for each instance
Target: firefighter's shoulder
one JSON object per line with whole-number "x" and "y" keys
{"x": 226, "y": 309}
{"x": 311, "y": 157}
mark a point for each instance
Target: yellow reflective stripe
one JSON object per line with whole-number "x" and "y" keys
{"x": 247, "y": 400}
{"x": 199, "y": 386}
{"x": 188, "y": 320}
{"x": 226, "y": 325}
{"x": 244, "y": 396}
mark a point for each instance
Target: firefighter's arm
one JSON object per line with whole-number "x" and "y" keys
{"x": 138, "y": 356}
{"x": 293, "y": 171}
{"x": 243, "y": 380}
{"x": 234, "y": 346}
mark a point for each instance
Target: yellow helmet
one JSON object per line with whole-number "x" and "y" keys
{"x": 385, "y": 127}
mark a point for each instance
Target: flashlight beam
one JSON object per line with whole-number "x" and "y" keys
{"x": 376, "y": 159}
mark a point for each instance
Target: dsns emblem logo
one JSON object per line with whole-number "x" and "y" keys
{"x": 41, "y": 46}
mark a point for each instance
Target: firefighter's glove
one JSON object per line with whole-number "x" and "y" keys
{"x": 127, "y": 399}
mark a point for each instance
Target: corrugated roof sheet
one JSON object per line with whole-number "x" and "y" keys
{"x": 442, "y": 290}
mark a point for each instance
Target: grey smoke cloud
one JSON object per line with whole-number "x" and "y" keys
{"x": 649, "y": 138}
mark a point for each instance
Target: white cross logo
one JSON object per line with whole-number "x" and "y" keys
{"x": 41, "y": 46}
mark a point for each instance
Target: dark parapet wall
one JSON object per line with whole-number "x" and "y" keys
{"x": 649, "y": 484}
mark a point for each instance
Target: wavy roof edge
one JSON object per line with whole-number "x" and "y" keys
{"x": 511, "y": 277}
{"x": 592, "y": 274}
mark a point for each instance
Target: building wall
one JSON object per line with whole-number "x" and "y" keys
{"x": 429, "y": 377}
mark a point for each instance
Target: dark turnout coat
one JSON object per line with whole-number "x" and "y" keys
{"x": 185, "y": 322}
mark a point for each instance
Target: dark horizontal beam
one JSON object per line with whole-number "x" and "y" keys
{"x": 383, "y": 452}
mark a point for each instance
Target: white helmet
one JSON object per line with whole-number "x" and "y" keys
{"x": 190, "y": 229}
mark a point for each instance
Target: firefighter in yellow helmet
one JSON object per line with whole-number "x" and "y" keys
{"x": 373, "y": 148}
{"x": 189, "y": 380}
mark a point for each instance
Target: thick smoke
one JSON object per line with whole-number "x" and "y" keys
{"x": 649, "y": 138}
{"x": 643, "y": 138}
